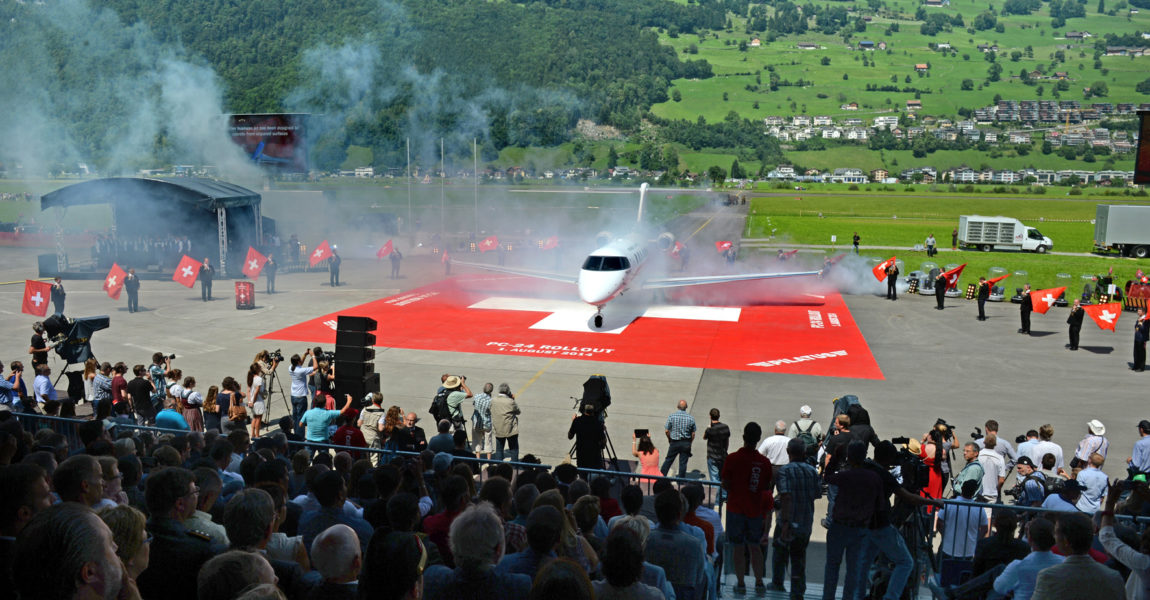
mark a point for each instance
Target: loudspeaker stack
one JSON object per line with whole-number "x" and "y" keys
{"x": 354, "y": 352}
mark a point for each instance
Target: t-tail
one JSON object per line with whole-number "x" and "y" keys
{"x": 642, "y": 199}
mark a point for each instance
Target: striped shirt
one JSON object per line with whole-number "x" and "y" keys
{"x": 681, "y": 425}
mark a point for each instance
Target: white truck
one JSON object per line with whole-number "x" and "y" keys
{"x": 1122, "y": 228}
{"x": 1000, "y": 233}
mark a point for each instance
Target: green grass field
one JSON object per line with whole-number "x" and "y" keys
{"x": 1066, "y": 222}
{"x": 736, "y": 73}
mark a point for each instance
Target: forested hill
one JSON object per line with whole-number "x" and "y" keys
{"x": 593, "y": 54}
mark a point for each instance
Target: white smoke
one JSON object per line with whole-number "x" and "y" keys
{"x": 80, "y": 85}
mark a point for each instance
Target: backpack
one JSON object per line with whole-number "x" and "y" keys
{"x": 439, "y": 410}
{"x": 809, "y": 441}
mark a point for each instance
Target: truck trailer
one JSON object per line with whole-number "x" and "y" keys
{"x": 1122, "y": 228}
{"x": 1000, "y": 233}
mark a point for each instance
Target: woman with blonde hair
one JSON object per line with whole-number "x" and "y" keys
{"x": 90, "y": 367}
{"x": 571, "y": 543}
{"x": 392, "y": 423}
{"x": 257, "y": 397}
{"x": 212, "y": 416}
{"x": 133, "y": 544}
{"x": 113, "y": 483}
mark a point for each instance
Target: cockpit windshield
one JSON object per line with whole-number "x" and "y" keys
{"x": 606, "y": 263}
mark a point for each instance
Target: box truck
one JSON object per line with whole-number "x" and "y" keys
{"x": 1000, "y": 233}
{"x": 1123, "y": 229}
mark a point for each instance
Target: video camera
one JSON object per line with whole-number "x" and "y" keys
{"x": 915, "y": 473}
{"x": 597, "y": 395}
{"x": 274, "y": 356}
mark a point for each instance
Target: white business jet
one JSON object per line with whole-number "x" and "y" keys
{"x": 619, "y": 267}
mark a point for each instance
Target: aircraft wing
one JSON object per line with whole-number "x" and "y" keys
{"x": 674, "y": 282}
{"x": 514, "y": 271}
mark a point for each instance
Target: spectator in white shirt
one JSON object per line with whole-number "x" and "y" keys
{"x": 775, "y": 447}
{"x": 1045, "y": 446}
{"x": 993, "y": 468}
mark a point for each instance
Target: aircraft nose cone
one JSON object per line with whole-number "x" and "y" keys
{"x": 597, "y": 288}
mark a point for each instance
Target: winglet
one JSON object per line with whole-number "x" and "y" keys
{"x": 642, "y": 197}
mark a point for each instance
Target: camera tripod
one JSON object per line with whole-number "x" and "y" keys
{"x": 607, "y": 454}
{"x": 274, "y": 380}
{"x": 916, "y": 532}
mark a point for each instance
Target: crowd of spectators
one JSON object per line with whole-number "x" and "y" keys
{"x": 215, "y": 509}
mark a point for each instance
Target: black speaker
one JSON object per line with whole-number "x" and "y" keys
{"x": 356, "y": 324}
{"x": 353, "y": 369}
{"x": 354, "y": 338}
{"x": 353, "y": 354}
{"x": 358, "y": 387}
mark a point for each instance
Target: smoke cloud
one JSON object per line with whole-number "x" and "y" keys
{"x": 80, "y": 86}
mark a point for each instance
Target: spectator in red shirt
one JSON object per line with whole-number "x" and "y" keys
{"x": 748, "y": 478}
{"x": 349, "y": 435}
{"x": 119, "y": 384}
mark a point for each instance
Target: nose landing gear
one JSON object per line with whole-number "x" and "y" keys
{"x": 598, "y": 320}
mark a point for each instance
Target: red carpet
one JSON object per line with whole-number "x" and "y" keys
{"x": 490, "y": 314}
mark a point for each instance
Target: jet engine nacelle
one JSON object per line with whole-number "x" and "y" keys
{"x": 666, "y": 241}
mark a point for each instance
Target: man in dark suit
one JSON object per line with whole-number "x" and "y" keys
{"x": 983, "y": 295}
{"x": 132, "y": 286}
{"x": 940, "y": 285}
{"x": 891, "y": 281}
{"x": 1024, "y": 310}
{"x": 1075, "y": 323}
{"x": 1141, "y": 332}
{"x": 206, "y": 273}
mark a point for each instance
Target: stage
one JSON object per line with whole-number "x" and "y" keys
{"x": 511, "y": 316}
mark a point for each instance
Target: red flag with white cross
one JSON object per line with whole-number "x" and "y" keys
{"x": 551, "y": 242}
{"x": 36, "y": 294}
{"x": 187, "y": 271}
{"x": 1042, "y": 300}
{"x": 384, "y": 250}
{"x": 997, "y": 279}
{"x": 723, "y": 246}
{"x": 254, "y": 263}
{"x": 1105, "y": 315}
{"x": 489, "y": 243}
{"x": 952, "y": 276}
{"x": 321, "y": 253}
{"x": 879, "y": 270}
{"x": 114, "y": 282}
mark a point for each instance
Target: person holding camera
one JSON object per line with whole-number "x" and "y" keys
{"x": 458, "y": 392}
{"x": 158, "y": 372}
{"x": 1031, "y": 487}
{"x": 38, "y": 348}
{"x": 257, "y": 397}
{"x": 680, "y": 429}
{"x": 299, "y": 375}
{"x": 587, "y": 431}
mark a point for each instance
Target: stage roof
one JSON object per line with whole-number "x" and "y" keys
{"x": 208, "y": 194}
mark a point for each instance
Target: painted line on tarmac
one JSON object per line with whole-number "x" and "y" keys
{"x": 531, "y": 381}
{"x": 705, "y": 223}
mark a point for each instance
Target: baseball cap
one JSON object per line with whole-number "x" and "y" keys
{"x": 1025, "y": 460}
{"x": 1144, "y": 425}
{"x": 1073, "y": 484}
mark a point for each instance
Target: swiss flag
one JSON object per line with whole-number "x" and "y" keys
{"x": 1044, "y": 299}
{"x": 1105, "y": 315}
{"x": 321, "y": 253}
{"x": 445, "y": 257}
{"x": 551, "y": 242}
{"x": 723, "y": 246}
{"x": 114, "y": 282}
{"x": 489, "y": 243}
{"x": 790, "y": 254}
{"x": 36, "y": 294}
{"x": 254, "y": 263}
{"x": 187, "y": 271}
{"x": 677, "y": 248}
{"x": 952, "y": 276}
{"x": 384, "y": 250}
{"x": 997, "y": 279}
{"x": 879, "y": 270}
{"x": 838, "y": 258}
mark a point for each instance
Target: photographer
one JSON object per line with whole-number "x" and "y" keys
{"x": 1031, "y": 487}
{"x": 158, "y": 372}
{"x": 299, "y": 376}
{"x": 883, "y": 536}
{"x": 587, "y": 432}
{"x": 457, "y": 384}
